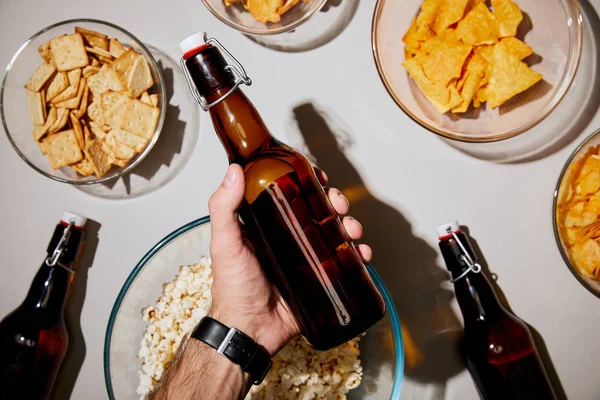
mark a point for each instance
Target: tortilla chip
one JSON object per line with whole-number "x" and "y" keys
{"x": 445, "y": 64}
{"x": 520, "y": 49}
{"x": 509, "y": 16}
{"x": 451, "y": 12}
{"x": 442, "y": 98}
{"x": 478, "y": 27}
{"x": 475, "y": 72}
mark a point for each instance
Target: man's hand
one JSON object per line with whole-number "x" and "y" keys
{"x": 242, "y": 295}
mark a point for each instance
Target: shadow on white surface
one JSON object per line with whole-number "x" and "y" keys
{"x": 69, "y": 371}
{"x": 567, "y": 122}
{"x": 319, "y": 30}
{"x": 174, "y": 147}
{"x": 407, "y": 264}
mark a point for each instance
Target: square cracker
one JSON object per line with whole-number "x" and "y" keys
{"x": 58, "y": 84}
{"x": 39, "y": 78}
{"x": 62, "y": 116}
{"x": 101, "y": 162}
{"x": 68, "y": 52}
{"x": 140, "y": 77}
{"x": 116, "y": 48}
{"x": 44, "y": 51}
{"x": 111, "y": 78}
{"x": 94, "y": 111}
{"x": 93, "y": 38}
{"x": 83, "y": 167}
{"x": 63, "y": 149}
{"x": 122, "y": 65}
{"x": 73, "y": 103}
{"x": 74, "y": 77}
{"x": 154, "y": 99}
{"x": 129, "y": 139}
{"x": 35, "y": 107}
{"x": 42, "y": 147}
{"x": 77, "y": 129}
{"x": 100, "y": 52}
{"x": 140, "y": 118}
{"x": 39, "y": 133}
{"x": 145, "y": 98}
{"x": 84, "y": 103}
{"x": 89, "y": 71}
{"x": 114, "y": 116}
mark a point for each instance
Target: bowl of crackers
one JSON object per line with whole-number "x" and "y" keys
{"x": 263, "y": 17}
{"x": 83, "y": 101}
{"x": 576, "y": 213}
{"x": 477, "y": 70}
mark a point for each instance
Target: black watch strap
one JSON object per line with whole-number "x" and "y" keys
{"x": 236, "y": 346}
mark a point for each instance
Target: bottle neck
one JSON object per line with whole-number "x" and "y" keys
{"x": 48, "y": 290}
{"x": 476, "y": 297}
{"x": 237, "y": 123}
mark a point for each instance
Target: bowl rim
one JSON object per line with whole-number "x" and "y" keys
{"x": 563, "y": 86}
{"x": 557, "y": 236}
{"x": 159, "y": 125}
{"x": 390, "y": 307}
{"x": 253, "y": 31}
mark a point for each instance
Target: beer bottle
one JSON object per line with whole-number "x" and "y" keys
{"x": 298, "y": 236}
{"x": 498, "y": 347}
{"x": 33, "y": 338}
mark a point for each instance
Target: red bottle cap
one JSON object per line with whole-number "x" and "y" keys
{"x": 193, "y": 45}
{"x": 442, "y": 230}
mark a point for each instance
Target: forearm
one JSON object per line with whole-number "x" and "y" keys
{"x": 202, "y": 373}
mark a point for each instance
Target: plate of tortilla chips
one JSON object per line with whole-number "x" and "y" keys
{"x": 477, "y": 70}
{"x": 577, "y": 213}
{"x": 263, "y": 17}
{"x": 83, "y": 101}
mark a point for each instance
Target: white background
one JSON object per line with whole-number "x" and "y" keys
{"x": 424, "y": 181}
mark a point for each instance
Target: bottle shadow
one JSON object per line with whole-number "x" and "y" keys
{"x": 67, "y": 376}
{"x": 320, "y": 29}
{"x": 175, "y": 144}
{"x": 537, "y": 338}
{"x": 407, "y": 264}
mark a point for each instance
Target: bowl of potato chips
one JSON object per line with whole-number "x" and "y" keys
{"x": 577, "y": 213}
{"x": 83, "y": 101}
{"x": 263, "y": 17}
{"x": 477, "y": 70}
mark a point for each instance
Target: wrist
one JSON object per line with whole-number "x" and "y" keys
{"x": 245, "y": 324}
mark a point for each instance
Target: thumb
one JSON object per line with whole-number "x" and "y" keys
{"x": 223, "y": 205}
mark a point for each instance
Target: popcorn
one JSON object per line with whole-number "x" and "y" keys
{"x": 298, "y": 372}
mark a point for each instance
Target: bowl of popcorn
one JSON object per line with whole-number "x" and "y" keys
{"x": 263, "y": 17}
{"x": 476, "y": 70}
{"x": 168, "y": 292}
{"x": 82, "y": 101}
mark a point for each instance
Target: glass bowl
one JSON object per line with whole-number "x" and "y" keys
{"x": 237, "y": 17}
{"x": 552, "y": 28}
{"x": 13, "y": 103}
{"x": 559, "y": 193}
{"x": 382, "y": 352}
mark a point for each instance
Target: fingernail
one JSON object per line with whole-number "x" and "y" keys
{"x": 355, "y": 220}
{"x": 344, "y": 197}
{"x": 230, "y": 177}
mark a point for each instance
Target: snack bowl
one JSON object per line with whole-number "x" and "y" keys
{"x": 382, "y": 352}
{"x": 14, "y": 109}
{"x": 561, "y": 196}
{"x": 553, "y": 30}
{"x": 237, "y": 17}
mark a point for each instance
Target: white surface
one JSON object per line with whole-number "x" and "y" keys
{"x": 428, "y": 181}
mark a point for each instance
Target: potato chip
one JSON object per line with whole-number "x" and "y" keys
{"x": 35, "y": 107}
{"x": 509, "y": 16}
{"x": 508, "y": 76}
{"x": 287, "y": 6}
{"x": 264, "y": 10}
{"x": 442, "y": 98}
{"x": 445, "y": 64}
{"x": 450, "y": 13}
{"x": 589, "y": 184}
{"x": 478, "y": 27}
{"x": 518, "y": 48}
{"x": 63, "y": 149}
{"x": 587, "y": 257}
{"x": 39, "y": 78}
{"x": 68, "y": 52}
{"x": 92, "y": 38}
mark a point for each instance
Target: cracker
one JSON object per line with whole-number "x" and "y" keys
{"x": 123, "y": 65}
{"x": 145, "y": 98}
{"x": 100, "y": 53}
{"x": 89, "y": 71}
{"x": 123, "y": 152}
{"x": 44, "y": 51}
{"x": 140, "y": 77}
{"x": 94, "y": 111}
{"x": 120, "y": 163}
{"x": 101, "y": 163}
{"x": 68, "y": 52}
{"x": 43, "y": 94}
{"x": 114, "y": 116}
{"x": 76, "y": 124}
{"x": 83, "y": 167}
{"x": 84, "y": 102}
{"x": 106, "y": 61}
{"x": 93, "y": 38}
{"x": 95, "y": 62}
{"x": 74, "y": 103}
{"x": 74, "y": 77}
{"x": 58, "y": 84}
{"x": 50, "y": 121}
{"x": 154, "y": 99}
{"x": 63, "y": 149}
{"x": 111, "y": 79}
{"x": 35, "y": 107}
{"x": 115, "y": 48}
{"x": 109, "y": 99}
{"x": 129, "y": 139}
{"x": 62, "y": 116}
{"x": 87, "y": 135}
{"x": 140, "y": 119}
{"x": 98, "y": 84}
{"x": 42, "y": 146}
{"x": 97, "y": 131}
{"x": 39, "y": 78}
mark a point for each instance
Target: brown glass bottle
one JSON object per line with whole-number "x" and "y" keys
{"x": 33, "y": 338}
{"x": 298, "y": 236}
{"x": 498, "y": 347}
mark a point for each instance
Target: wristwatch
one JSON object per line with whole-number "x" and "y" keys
{"x": 236, "y": 346}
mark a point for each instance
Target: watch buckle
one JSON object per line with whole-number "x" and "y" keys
{"x": 227, "y": 340}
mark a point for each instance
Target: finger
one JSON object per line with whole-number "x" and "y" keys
{"x": 338, "y": 200}
{"x": 353, "y": 227}
{"x": 321, "y": 176}
{"x": 365, "y": 251}
{"x": 223, "y": 206}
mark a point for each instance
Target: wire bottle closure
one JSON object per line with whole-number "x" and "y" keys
{"x": 52, "y": 260}
{"x": 465, "y": 258}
